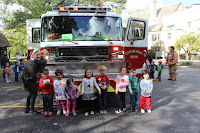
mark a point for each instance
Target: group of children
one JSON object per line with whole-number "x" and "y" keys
{"x": 17, "y": 68}
{"x": 66, "y": 92}
{"x": 152, "y": 68}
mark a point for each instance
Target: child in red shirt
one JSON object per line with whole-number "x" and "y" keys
{"x": 46, "y": 85}
{"x": 103, "y": 82}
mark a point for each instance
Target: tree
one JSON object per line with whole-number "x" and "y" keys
{"x": 190, "y": 43}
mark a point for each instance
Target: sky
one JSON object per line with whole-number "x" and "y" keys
{"x": 133, "y": 5}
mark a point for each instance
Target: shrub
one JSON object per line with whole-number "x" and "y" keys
{"x": 185, "y": 63}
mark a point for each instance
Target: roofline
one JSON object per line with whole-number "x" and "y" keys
{"x": 192, "y": 5}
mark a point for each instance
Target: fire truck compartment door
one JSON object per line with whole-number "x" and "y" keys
{"x": 136, "y": 32}
{"x": 33, "y": 29}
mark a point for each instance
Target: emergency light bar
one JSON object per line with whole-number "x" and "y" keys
{"x": 77, "y": 9}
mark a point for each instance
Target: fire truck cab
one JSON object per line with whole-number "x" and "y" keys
{"x": 78, "y": 38}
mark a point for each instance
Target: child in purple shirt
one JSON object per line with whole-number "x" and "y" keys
{"x": 72, "y": 92}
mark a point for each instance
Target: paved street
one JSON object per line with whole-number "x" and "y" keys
{"x": 175, "y": 108}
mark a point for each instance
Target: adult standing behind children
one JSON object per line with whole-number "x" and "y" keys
{"x": 171, "y": 61}
{"x": 18, "y": 57}
{"x": 29, "y": 78}
{"x": 4, "y": 60}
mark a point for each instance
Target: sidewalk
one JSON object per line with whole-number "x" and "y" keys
{"x": 195, "y": 63}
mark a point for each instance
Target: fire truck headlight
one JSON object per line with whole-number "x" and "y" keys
{"x": 144, "y": 53}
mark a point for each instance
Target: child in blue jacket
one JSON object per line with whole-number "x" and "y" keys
{"x": 16, "y": 70}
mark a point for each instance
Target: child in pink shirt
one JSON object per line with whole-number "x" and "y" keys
{"x": 122, "y": 82}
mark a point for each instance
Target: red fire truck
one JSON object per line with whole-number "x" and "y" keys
{"x": 78, "y": 38}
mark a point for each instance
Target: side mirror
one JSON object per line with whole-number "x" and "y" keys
{"x": 36, "y": 35}
{"x": 136, "y": 33}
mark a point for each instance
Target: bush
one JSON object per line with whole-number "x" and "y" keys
{"x": 185, "y": 63}
{"x": 152, "y": 53}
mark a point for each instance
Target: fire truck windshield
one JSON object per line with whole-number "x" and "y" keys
{"x": 81, "y": 28}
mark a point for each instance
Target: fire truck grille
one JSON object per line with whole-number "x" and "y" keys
{"x": 91, "y": 53}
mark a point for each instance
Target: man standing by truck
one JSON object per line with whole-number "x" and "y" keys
{"x": 171, "y": 61}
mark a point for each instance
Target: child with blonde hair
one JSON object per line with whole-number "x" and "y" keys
{"x": 7, "y": 73}
{"x": 103, "y": 82}
{"x": 43, "y": 61}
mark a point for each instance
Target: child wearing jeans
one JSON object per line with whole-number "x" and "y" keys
{"x": 152, "y": 70}
{"x": 146, "y": 86}
{"x": 59, "y": 89}
{"x": 87, "y": 91}
{"x": 46, "y": 84}
{"x": 134, "y": 98}
{"x": 7, "y": 73}
{"x": 16, "y": 70}
{"x": 72, "y": 92}
{"x": 122, "y": 82}
{"x": 103, "y": 82}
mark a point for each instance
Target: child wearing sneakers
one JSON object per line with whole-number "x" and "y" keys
{"x": 72, "y": 92}
{"x": 134, "y": 98}
{"x": 7, "y": 73}
{"x": 87, "y": 91}
{"x": 103, "y": 82}
{"x": 146, "y": 86}
{"x": 159, "y": 69}
{"x": 59, "y": 89}
{"x": 46, "y": 84}
{"x": 122, "y": 82}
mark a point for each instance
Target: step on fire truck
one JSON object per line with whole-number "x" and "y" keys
{"x": 78, "y": 38}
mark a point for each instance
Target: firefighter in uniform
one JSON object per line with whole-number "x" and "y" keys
{"x": 171, "y": 61}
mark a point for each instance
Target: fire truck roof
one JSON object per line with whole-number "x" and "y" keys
{"x": 81, "y": 11}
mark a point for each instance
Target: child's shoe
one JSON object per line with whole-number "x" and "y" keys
{"x": 67, "y": 113}
{"x": 64, "y": 112}
{"x": 58, "y": 112}
{"x": 92, "y": 112}
{"x": 74, "y": 113}
{"x": 101, "y": 111}
{"x": 118, "y": 111}
{"x": 142, "y": 111}
{"x": 50, "y": 114}
{"x": 136, "y": 109}
{"x": 45, "y": 114}
{"x": 124, "y": 110}
{"x": 86, "y": 113}
{"x": 149, "y": 111}
{"x": 105, "y": 112}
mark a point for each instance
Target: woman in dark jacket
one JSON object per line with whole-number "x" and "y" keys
{"x": 29, "y": 78}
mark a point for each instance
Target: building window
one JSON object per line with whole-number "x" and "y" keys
{"x": 189, "y": 25}
{"x": 158, "y": 36}
{"x": 171, "y": 26}
{"x": 153, "y": 37}
{"x": 169, "y": 36}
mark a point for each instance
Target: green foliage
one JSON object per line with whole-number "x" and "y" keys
{"x": 17, "y": 39}
{"x": 152, "y": 53}
{"x": 190, "y": 43}
{"x": 187, "y": 63}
